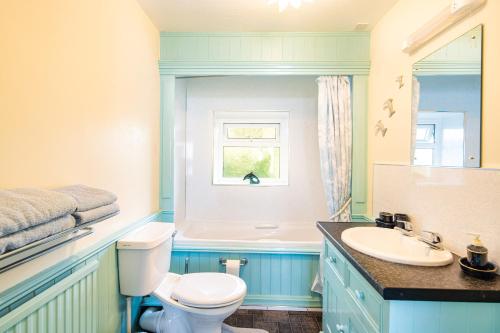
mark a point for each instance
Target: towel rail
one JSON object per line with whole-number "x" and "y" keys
{"x": 36, "y": 249}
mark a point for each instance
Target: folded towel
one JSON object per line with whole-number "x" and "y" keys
{"x": 105, "y": 217}
{"x": 96, "y": 213}
{"x": 33, "y": 234}
{"x": 87, "y": 197}
{"x": 25, "y": 208}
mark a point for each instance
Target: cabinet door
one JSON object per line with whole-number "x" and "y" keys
{"x": 355, "y": 326}
{"x": 354, "y": 321}
{"x": 340, "y": 315}
{"x": 331, "y": 309}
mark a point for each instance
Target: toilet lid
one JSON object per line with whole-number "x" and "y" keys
{"x": 208, "y": 290}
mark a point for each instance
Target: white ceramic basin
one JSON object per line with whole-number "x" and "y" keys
{"x": 391, "y": 245}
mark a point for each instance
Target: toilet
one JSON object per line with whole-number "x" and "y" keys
{"x": 192, "y": 303}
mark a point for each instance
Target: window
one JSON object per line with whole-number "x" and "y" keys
{"x": 426, "y": 133}
{"x": 250, "y": 142}
{"x": 425, "y": 149}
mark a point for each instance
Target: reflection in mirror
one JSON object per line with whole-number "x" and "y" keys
{"x": 446, "y": 120}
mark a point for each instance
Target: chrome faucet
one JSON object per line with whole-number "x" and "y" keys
{"x": 405, "y": 227}
{"x": 433, "y": 239}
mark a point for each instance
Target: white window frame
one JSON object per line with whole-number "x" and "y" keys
{"x": 227, "y": 119}
{"x": 429, "y": 119}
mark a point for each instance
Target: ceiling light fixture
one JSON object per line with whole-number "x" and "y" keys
{"x": 283, "y": 4}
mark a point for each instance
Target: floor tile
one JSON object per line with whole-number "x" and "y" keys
{"x": 231, "y": 320}
{"x": 302, "y": 319}
{"x": 271, "y": 327}
{"x": 310, "y": 327}
{"x": 284, "y": 328}
{"x": 273, "y": 316}
{"x": 274, "y": 321}
{"x": 244, "y": 320}
{"x": 296, "y": 327}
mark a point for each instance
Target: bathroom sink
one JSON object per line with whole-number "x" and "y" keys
{"x": 391, "y": 245}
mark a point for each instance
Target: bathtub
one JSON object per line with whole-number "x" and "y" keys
{"x": 263, "y": 238}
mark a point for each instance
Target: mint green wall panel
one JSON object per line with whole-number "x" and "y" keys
{"x": 272, "y": 279}
{"x": 359, "y": 143}
{"x": 444, "y": 317}
{"x": 74, "y": 298}
{"x": 110, "y": 302}
{"x": 167, "y": 112}
{"x": 264, "y": 53}
{"x": 265, "y": 47}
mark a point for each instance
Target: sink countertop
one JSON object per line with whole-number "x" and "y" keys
{"x": 412, "y": 283}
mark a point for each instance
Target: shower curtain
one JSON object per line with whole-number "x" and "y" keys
{"x": 335, "y": 151}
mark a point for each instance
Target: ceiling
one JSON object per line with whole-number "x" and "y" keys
{"x": 258, "y": 16}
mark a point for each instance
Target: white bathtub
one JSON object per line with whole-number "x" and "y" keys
{"x": 226, "y": 236}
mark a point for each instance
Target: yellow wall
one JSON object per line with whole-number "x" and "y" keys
{"x": 388, "y": 62}
{"x": 79, "y": 98}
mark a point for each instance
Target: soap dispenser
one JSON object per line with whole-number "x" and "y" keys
{"x": 477, "y": 254}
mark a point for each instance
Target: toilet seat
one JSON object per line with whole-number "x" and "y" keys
{"x": 208, "y": 290}
{"x": 220, "y": 300}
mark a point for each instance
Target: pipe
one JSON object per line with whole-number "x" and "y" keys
{"x": 150, "y": 319}
{"x": 129, "y": 314}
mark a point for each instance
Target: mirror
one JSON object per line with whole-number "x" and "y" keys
{"x": 446, "y": 104}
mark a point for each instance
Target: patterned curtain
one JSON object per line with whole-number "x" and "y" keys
{"x": 335, "y": 150}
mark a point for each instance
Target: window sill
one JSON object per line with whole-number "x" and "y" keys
{"x": 262, "y": 183}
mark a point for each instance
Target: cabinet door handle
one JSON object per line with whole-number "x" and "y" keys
{"x": 359, "y": 294}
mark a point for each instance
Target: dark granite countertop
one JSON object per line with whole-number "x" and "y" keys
{"x": 405, "y": 282}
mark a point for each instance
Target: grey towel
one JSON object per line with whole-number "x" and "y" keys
{"x": 33, "y": 234}
{"x": 96, "y": 213}
{"x": 25, "y": 208}
{"x": 88, "y": 197}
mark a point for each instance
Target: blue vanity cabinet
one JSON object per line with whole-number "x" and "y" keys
{"x": 352, "y": 305}
{"x": 341, "y": 314}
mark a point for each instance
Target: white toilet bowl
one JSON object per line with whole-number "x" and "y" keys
{"x": 195, "y": 303}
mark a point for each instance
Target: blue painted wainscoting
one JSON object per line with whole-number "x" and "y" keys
{"x": 272, "y": 278}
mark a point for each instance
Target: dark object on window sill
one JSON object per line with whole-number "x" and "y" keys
{"x": 253, "y": 178}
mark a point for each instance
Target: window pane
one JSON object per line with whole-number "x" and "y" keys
{"x": 426, "y": 133}
{"x": 424, "y": 156}
{"x": 251, "y": 132}
{"x": 264, "y": 162}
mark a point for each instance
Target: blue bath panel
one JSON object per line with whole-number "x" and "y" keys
{"x": 272, "y": 279}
